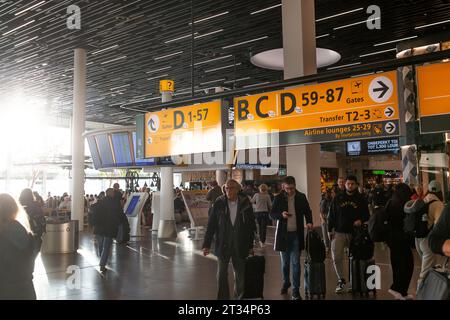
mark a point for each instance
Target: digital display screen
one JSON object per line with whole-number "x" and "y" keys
{"x": 94, "y": 153}
{"x": 132, "y": 205}
{"x": 122, "y": 150}
{"x": 105, "y": 151}
{"x": 142, "y": 162}
{"x": 373, "y": 147}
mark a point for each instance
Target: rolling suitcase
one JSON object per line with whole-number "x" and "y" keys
{"x": 358, "y": 276}
{"x": 436, "y": 285}
{"x": 254, "y": 277}
{"x": 315, "y": 280}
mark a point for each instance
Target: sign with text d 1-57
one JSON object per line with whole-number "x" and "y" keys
{"x": 356, "y": 108}
{"x": 184, "y": 130}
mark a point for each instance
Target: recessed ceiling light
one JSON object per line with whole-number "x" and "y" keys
{"x": 256, "y": 84}
{"x": 244, "y": 42}
{"x": 169, "y": 55}
{"x": 432, "y": 24}
{"x": 354, "y": 24}
{"x": 339, "y": 14}
{"x": 265, "y": 9}
{"x": 211, "y": 17}
{"x": 393, "y": 41}
{"x": 225, "y": 67}
{"x": 211, "y": 60}
{"x": 344, "y": 65}
{"x": 160, "y": 69}
{"x": 26, "y": 41}
{"x": 323, "y": 36}
{"x": 212, "y": 81}
{"x": 106, "y": 49}
{"x": 20, "y": 27}
{"x": 238, "y": 80}
{"x": 179, "y": 38}
{"x": 29, "y": 8}
{"x": 208, "y": 34}
{"x": 157, "y": 77}
{"x": 124, "y": 86}
{"x": 377, "y": 52}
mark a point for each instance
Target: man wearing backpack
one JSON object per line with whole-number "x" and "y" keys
{"x": 435, "y": 206}
{"x": 348, "y": 210}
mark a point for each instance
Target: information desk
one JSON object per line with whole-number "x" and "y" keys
{"x": 60, "y": 237}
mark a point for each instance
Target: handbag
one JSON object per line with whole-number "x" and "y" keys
{"x": 436, "y": 285}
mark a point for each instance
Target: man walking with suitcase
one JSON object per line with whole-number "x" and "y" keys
{"x": 349, "y": 209}
{"x": 232, "y": 224}
{"x": 290, "y": 208}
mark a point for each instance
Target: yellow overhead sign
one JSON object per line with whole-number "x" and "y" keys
{"x": 166, "y": 85}
{"x": 185, "y": 130}
{"x": 354, "y": 108}
{"x": 433, "y": 82}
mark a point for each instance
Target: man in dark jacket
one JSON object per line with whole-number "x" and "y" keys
{"x": 348, "y": 210}
{"x": 290, "y": 207}
{"x": 214, "y": 193}
{"x": 439, "y": 237}
{"x": 232, "y": 223}
{"x": 107, "y": 220}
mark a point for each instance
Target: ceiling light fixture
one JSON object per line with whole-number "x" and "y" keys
{"x": 26, "y": 41}
{"x": 244, "y": 42}
{"x": 211, "y": 60}
{"x": 393, "y": 41}
{"x": 26, "y": 58}
{"x": 265, "y": 9}
{"x": 323, "y": 36}
{"x": 208, "y": 34}
{"x": 211, "y": 17}
{"x": 20, "y": 27}
{"x": 377, "y": 52}
{"x": 179, "y": 38}
{"x": 354, "y": 24}
{"x": 169, "y": 55}
{"x": 124, "y": 86}
{"x": 218, "y": 80}
{"x": 238, "y": 80}
{"x": 431, "y": 24}
{"x": 106, "y": 49}
{"x": 225, "y": 67}
{"x": 344, "y": 65}
{"x": 256, "y": 84}
{"x": 160, "y": 69}
{"x": 116, "y": 59}
{"x": 339, "y": 14}
{"x": 33, "y": 6}
{"x": 157, "y": 77}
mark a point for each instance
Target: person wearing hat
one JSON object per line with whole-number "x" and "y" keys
{"x": 434, "y": 200}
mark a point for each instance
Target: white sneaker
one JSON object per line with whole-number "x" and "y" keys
{"x": 397, "y": 295}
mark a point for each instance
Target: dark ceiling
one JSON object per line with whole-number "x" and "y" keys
{"x": 37, "y": 59}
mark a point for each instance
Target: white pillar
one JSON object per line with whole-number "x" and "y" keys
{"x": 78, "y": 127}
{"x": 167, "y": 227}
{"x": 221, "y": 177}
{"x": 299, "y": 43}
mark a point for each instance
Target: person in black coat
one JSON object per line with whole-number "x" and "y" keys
{"x": 232, "y": 224}
{"x": 402, "y": 260}
{"x": 36, "y": 216}
{"x": 106, "y": 223}
{"x": 439, "y": 237}
{"x": 17, "y": 254}
{"x": 290, "y": 208}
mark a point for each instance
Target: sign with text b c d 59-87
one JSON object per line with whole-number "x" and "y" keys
{"x": 350, "y": 109}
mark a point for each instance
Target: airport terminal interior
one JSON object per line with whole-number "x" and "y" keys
{"x": 209, "y": 149}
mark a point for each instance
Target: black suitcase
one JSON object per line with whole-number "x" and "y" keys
{"x": 254, "y": 277}
{"x": 315, "y": 280}
{"x": 436, "y": 285}
{"x": 358, "y": 276}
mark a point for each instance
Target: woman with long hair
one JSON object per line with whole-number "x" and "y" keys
{"x": 35, "y": 214}
{"x": 402, "y": 260}
{"x": 17, "y": 253}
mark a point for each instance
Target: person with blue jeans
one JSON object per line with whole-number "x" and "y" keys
{"x": 106, "y": 221}
{"x": 290, "y": 209}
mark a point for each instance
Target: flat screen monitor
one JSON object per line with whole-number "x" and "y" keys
{"x": 94, "y": 152}
{"x": 122, "y": 150}
{"x": 373, "y": 147}
{"x": 142, "y": 162}
{"x": 105, "y": 151}
{"x": 132, "y": 205}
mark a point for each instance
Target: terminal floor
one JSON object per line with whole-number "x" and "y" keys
{"x": 153, "y": 269}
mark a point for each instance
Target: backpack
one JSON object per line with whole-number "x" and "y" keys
{"x": 416, "y": 220}
{"x": 378, "y": 225}
{"x": 315, "y": 247}
{"x": 361, "y": 246}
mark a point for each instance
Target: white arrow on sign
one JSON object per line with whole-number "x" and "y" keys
{"x": 390, "y": 127}
{"x": 389, "y": 112}
{"x": 381, "y": 89}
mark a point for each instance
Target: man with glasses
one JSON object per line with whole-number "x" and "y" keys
{"x": 232, "y": 224}
{"x": 290, "y": 208}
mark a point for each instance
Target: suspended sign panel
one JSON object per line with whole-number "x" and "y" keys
{"x": 356, "y": 108}
{"x": 434, "y": 97}
{"x": 185, "y": 130}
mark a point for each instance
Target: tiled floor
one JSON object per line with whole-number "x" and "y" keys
{"x": 148, "y": 268}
